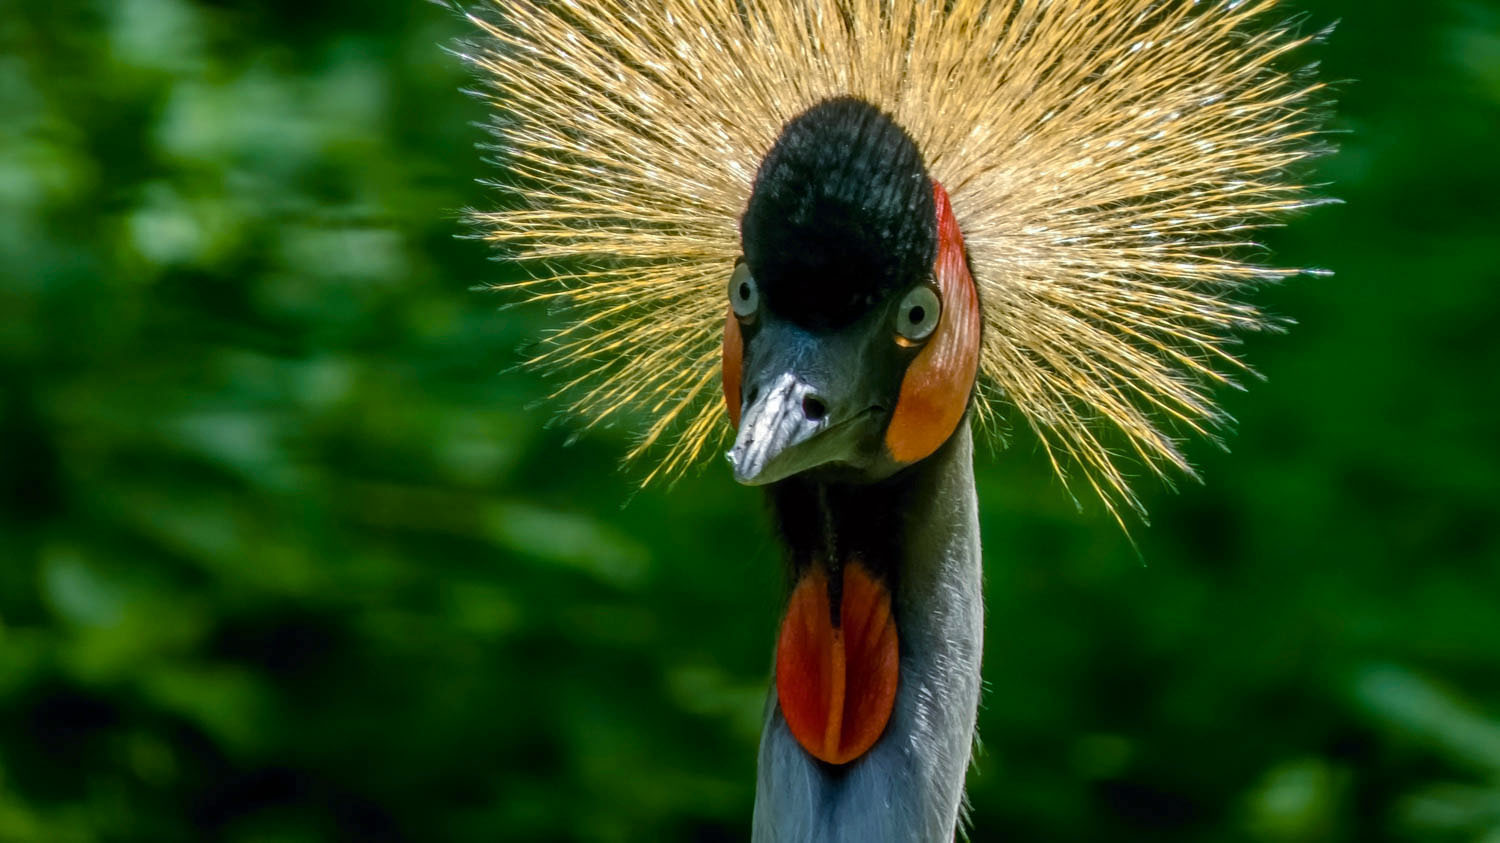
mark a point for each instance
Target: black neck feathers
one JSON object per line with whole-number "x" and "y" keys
{"x": 818, "y": 516}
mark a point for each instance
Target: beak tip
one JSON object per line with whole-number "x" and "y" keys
{"x": 746, "y": 469}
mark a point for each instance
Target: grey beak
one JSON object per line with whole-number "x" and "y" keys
{"x": 787, "y": 430}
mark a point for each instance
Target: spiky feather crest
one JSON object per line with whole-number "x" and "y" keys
{"x": 1105, "y": 158}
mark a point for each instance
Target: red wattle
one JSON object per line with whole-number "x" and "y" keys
{"x": 837, "y": 685}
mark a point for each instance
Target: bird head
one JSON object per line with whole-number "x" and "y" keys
{"x": 851, "y": 342}
{"x": 1107, "y": 159}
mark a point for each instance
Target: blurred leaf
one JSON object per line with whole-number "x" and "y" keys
{"x": 570, "y": 540}
{"x": 1423, "y": 711}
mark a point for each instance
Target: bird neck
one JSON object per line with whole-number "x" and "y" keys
{"x": 919, "y": 532}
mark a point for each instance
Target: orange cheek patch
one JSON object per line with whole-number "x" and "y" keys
{"x": 837, "y": 684}
{"x": 734, "y": 350}
{"x": 935, "y": 391}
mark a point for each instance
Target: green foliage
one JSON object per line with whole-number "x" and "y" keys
{"x": 289, "y": 553}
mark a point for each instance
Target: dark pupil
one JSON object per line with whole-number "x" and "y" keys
{"x": 744, "y": 291}
{"x": 917, "y": 315}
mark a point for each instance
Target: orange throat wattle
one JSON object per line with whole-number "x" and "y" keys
{"x": 837, "y": 683}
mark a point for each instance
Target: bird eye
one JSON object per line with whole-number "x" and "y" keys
{"x": 918, "y": 316}
{"x": 744, "y": 294}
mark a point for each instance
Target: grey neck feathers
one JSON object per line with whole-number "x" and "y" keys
{"x": 909, "y": 786}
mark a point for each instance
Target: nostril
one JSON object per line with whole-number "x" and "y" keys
{"x": 813, "y": 408}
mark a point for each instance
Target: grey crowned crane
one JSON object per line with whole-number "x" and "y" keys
{"x": 877, "y": 224}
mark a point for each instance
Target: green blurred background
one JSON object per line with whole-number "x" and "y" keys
{"x": 286, "y": 554}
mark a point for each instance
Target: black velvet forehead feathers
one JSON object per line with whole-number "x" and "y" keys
{"x": 841, "y": 215}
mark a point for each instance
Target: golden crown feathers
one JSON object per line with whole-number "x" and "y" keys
{"x": 1106, "y": 159}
